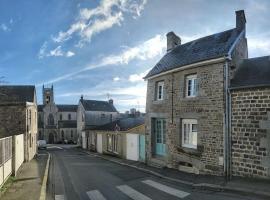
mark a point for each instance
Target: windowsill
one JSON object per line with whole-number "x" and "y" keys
{"x": 158, "y": 101}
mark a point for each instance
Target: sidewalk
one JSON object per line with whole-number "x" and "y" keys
{"x": 247, "y": 186}
{"x": 27, "y": 184}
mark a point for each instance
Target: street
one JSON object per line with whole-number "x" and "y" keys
{"x": 75, "y": 175}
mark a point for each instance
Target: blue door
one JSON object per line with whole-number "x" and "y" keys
{"x": 142, "y": 147}
{"x": 160, "y": 137}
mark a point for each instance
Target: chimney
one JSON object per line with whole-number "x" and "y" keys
{"x": 81, "y": 97}
{"x": 172, "y": 41}
{"x": 111, "y": 101}
{"x": 240, "y": 20}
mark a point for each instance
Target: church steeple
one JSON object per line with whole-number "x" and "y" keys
{"x": 48, "y": 95}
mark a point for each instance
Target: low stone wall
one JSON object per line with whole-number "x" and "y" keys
{"x": 251, "y": 132}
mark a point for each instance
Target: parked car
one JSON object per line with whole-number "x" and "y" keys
{"x": 42, "y": 144}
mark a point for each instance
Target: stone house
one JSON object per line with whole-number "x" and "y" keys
{"x": 18, "y": 115}
{"x": 92, "y": 113}
{"x": 187, "y": 106}
{"x": 250, "y": 118}
{"x": 57, "y": 123}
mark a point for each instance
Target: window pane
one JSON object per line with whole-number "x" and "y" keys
{"x": 194, "y": 138}
{"x": 164, "y": 131}
{"x": 194, "y": 127}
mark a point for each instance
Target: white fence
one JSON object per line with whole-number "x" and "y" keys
{"x": 5, "y": 159}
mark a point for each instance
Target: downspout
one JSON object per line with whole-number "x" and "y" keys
{"x": 172, "y": 98}
{"x": 227, "y": 119}
{"x": 227, "y": 132}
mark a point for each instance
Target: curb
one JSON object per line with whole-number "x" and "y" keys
{"x": 45, "y": 179}
{"x": 203, "y": 186}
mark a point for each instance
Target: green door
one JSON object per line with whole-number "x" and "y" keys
{"x": 160, "y": 137}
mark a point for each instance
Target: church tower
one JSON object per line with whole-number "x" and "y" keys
{"x": 48, "y": 96}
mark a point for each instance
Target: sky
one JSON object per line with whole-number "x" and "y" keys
{"x": 103, "y": 48}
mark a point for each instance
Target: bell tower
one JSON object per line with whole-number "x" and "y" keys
{"x": 48, "y": 96}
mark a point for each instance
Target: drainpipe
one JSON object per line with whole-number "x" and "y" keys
{"x": 227, "y": 133}
{"x": 172, "y": 97}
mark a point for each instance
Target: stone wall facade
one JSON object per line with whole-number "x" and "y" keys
{"x": 12, "y": 119}
{"x": 251, "y": 132}
{"x": 207, "y": 108}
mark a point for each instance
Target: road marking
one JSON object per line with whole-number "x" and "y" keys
{"x": 95, "y": 195}
{"x": 167, "y": 189}
{"x": 59, "y": 197}
{"x": 133, "y": 194}
{"x": 54, "y": 147}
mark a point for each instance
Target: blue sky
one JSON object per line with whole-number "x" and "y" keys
{"x": 104, "y": 48}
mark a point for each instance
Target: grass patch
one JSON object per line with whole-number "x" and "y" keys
{"x": 7, "y": 184}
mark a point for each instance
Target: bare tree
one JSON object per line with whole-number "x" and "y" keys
{"x": 2, "y": 80}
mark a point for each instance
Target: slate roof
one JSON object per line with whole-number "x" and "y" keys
{"x": 94, "y": 105}
{"x": 206, "y": 48}
{"x": 61, "y": 108}
{"x": 124, "y": 124}
{"x": 253, "y": 72}
{"x": 67, "y": 124}
{"x": 40, "y": 108}
{"x": 17, "y": 93}
{"x": 67, "y": 108}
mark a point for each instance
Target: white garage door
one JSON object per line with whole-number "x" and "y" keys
{"x": 132, "y": 146}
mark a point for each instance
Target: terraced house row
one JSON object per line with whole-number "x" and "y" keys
{"x": 208, "y": 106}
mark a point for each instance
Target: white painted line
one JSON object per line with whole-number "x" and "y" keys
{"x": 133, "y": 194}
{"x": 95, "y": 195}
{"x": 59, "y": 197}
{"x": 167, "y": 189}
{"x": 54, "y": 147}
{"x": 43, "y": 190}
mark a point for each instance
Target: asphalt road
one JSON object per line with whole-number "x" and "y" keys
{"x": 74, "y": 175}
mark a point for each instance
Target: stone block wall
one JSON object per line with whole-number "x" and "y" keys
{"x": 251, "y": 132}
{"x": 207, "y": 108}
{"x": 12, "y": 119}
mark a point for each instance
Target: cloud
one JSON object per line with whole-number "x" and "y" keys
{"x": 4, "y": 27}
{"x": 138, "y": 77}
{"x": 124, "y": 97}
{"x": 146, "y": 50}
{"x": 116, "y": 78}
{"x": 258, "y": 46}
{"x": 70, "y": 54}
{"x": 57, "y": 52}
{"x": 93, "y": 21}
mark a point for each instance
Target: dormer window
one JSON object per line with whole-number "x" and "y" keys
{"x": 160, "y": 90}
{"x": 191, "y": 85}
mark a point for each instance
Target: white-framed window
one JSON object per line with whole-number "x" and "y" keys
{"x": 160, "y": 90}
{"x": 191, "y": 85}
{"x": 189, "y": 133}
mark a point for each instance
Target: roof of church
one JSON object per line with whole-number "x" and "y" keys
{"x": 61, "y": 108}
{"x": 17, "y": 93}
{"x": 94, "y": 105}
{"x": 253, "y": 72}
{"x": 67, "y": 124}
{"x": 123, "y": 124}
{"x": 206, "y": 48}
{"x": 67, "y": 108}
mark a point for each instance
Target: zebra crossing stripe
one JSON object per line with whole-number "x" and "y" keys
{"x": 95, "y": 195}
{"x": 59, "y": 197}
{"x": 133, "y": 194}
{"x": 167, "y": 189}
